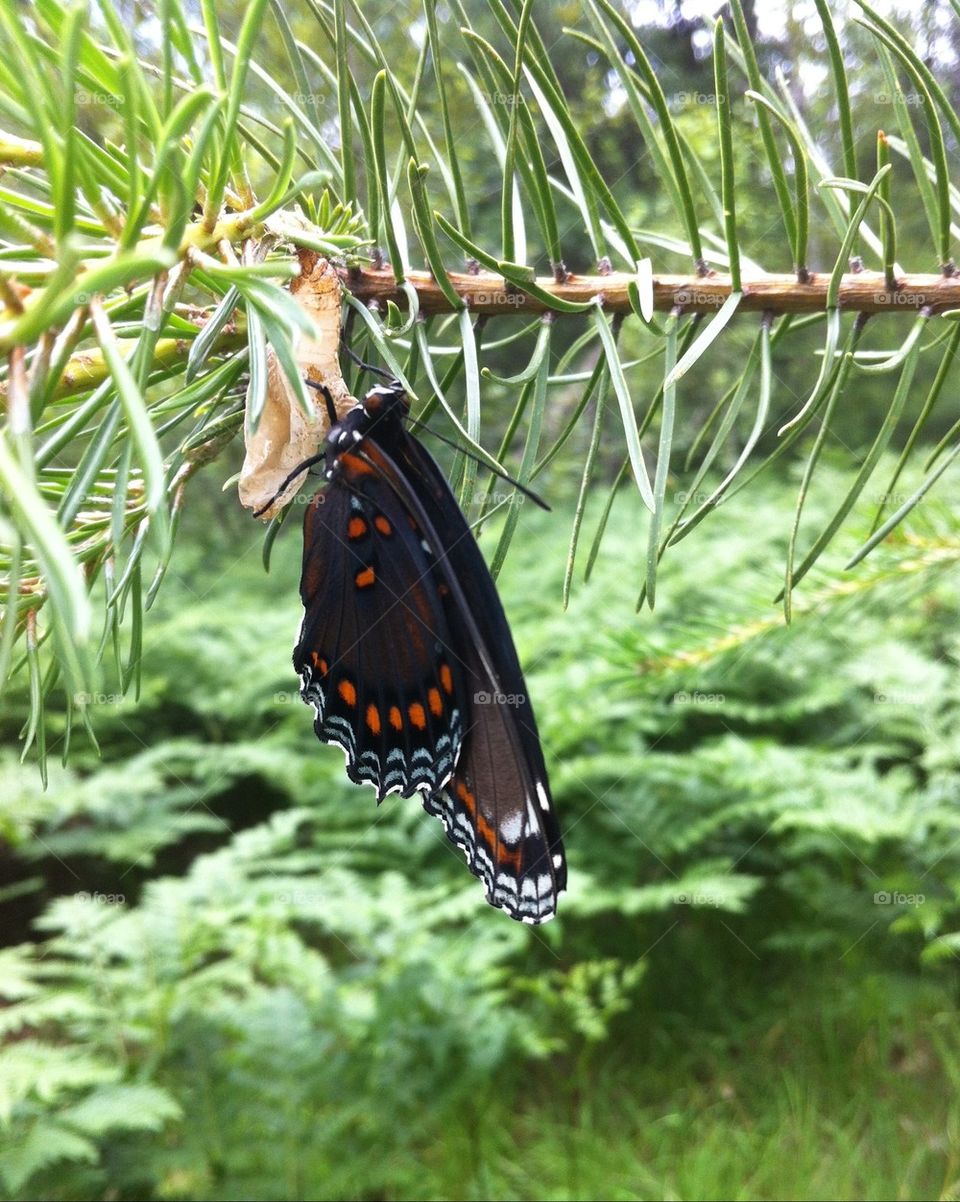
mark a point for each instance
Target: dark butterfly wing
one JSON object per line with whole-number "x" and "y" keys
{"x": 499, "y": 813}
{"x": 497, "y": 807}
{"x": 374, "y": 648}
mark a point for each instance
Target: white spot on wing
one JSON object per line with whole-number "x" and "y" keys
{"x": 512, "y": 828}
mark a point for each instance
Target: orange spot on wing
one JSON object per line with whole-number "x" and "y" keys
{"x": 486, "y": 832}
{"x": 353, "y": 466}
{"x": 347, "y": 692}
{"x": 364, "y": 578}
{"x": 396, "y": 718}
{"x": 435, "y": 701}
{"x": 446, "y": 678}
{"x": 466, "y": 796}
{"x": 382, "y": 524}
{"x": 373, "y": 719}
{"x": 502, "y": 856}
{"x": 319, "y": 663}
{"x": 418, "y": 715}
{"x": 356, "y": 527}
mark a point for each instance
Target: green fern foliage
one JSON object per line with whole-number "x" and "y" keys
{"x": 313, "y": 996}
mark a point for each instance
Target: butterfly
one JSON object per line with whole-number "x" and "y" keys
{"x": 406, "y": 655}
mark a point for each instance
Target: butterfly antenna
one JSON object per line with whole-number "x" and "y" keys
{"x": 301, "y": 467}
{"x": 327, "y": 400}
{"x": 377, "y": 371}
{"x": 307, "y": 463}
{"x": 496, "y": 471}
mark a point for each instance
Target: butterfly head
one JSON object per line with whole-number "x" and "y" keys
{"x": 383, "y": 408}
{"x": 386, "y": 402}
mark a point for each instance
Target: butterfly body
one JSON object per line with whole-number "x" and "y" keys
{"x": 406, "y": 655}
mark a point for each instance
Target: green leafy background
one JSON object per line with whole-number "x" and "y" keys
{"x": 224, "y": 972}
{"x": 242, "y": 978}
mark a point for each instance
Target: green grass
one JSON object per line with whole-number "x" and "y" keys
{"x": 811, "y": 1101}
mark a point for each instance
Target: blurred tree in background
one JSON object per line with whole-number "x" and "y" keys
{"x": 224, "y": 972}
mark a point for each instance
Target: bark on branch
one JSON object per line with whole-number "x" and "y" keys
{"x": 860, "y": 292}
